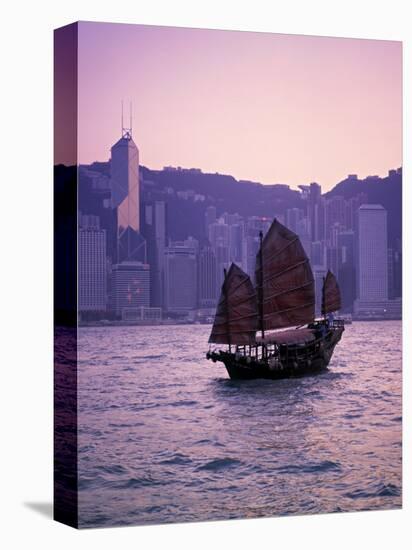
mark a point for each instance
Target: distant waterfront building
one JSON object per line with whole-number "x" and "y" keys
{"x": 231, "y": 219}
{"x": 318, "y": 274}
{"x": 222, "y": 262}
{"x": 333, "y": 259}
{"x": 180, "y": 276}
{"x": 315, "y": 212}
{"x": 210, "y": 217}
{"x": 334, "y": 215}
{"x": 373, "y": 250}
{"x": 219, "y": 234}
{"x": 352, "y": 206}
{"x": 386, "y": 309}
{"x": 251, "y": 242}
{"x": 180, "y": 169}
{"x": 395, "y": 270}
{"x": 303, "y": 232}
{"x": 92, "y": 285}
{"x": 130, "y": 286}
{"x": 293, "y": 216}
{"x": 305, "y": 190}
{"x": 254, "y": 224}
{"x": 235, "y": 242}
{"x": 390, "y": 273}
{"x": 142, "y": 314}
{"x": 207, "y": 277}
{"x": 219, "y": 240}
{"x": 125, "y": 199}
{"x": 154, "y": 230}
{"x": 347, "y": 269}
{"x": 250, "y": 248}
{"x": 318, "y": 253}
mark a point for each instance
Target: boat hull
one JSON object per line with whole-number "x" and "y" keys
{"x": 291, "y": 362}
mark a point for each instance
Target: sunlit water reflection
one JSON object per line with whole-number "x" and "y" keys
{"x": 165, "y": 436}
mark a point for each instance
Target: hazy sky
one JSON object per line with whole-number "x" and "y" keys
{"x": 265, "y": 107}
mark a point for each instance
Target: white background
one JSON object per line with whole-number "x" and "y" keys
{"x": 26, "y": 271}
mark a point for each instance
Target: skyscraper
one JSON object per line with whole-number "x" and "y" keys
{"x": 303, "y": 232}
{"x": 125, "y": 197}
{"x": 333, "y": 258}
{"x": 210, "y": 217}
{"x": 316, "y": 211}
{"x": 347, "y": 273}
{"x": 250, "y": 248}
{"x": 317, "y": 256}
{"x": 334, "y": 215}
{"x": 293, "y": 216}
{"x": 397, "y": 270}
{"x": 235, "y": 242}
{"x": 219, "y": 240}
{"x": 372, "y": 250}
{"x": 154, "y": 230}
{"x": 130, "y": 286}
{"x": 351, "y": 210}
{"x": 92, "y": 265}
{"x": 180, "y": 276}
{"x": 319, "y": 273}
{"x": 219, "y": 234}
{"x": 207, "y": 277}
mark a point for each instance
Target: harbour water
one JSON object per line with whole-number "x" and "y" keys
{"x": 165, "y": 436}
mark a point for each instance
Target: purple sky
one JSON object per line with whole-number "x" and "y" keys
{"x": 266, "y": 107}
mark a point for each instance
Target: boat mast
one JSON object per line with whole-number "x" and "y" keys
{"x": 260, "y": 286}
{"x": 227, "y": 310}
{"x": 323, "y": 312}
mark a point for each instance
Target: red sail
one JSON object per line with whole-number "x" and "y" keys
{"x": 236, "y": 313}
{"x": 284, "y": 280}
{"x": 331, "y": 300}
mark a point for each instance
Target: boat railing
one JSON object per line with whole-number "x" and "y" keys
{"x": 280, "y": 351}
{"x": 306, "y": 350}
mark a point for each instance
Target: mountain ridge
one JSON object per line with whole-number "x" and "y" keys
{"x": 188, "y": 192}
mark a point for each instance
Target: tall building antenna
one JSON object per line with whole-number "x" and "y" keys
{"x": 127, "y": 132}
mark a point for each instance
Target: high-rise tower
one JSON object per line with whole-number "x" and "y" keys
{"x": 125, "y": 202}
{"x": 91, "y": 246}
{"x": 373, "y": 259}
{"x": 153, "y": 228}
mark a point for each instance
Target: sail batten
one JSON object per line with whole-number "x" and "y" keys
{"x": 290, "y": 268}
{"x": 219, "y": 324}
{"x": 284, "y": 278}
{"x": 331, "y": 298}
{"x": 278, "y": 252}
{"x": 280, "y": 311}
{"x": 283, "y": 292}
{"x": 236, "y": 314}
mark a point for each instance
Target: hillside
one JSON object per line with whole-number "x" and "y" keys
{"x": 189, "y": 192}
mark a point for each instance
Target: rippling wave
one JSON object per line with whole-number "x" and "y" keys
{"x": 165, "y": 436}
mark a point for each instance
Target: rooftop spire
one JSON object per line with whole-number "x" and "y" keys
{"x": 127, "y": 132}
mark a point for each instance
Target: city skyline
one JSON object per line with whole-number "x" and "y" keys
{"x": 179, "y": 277}
{"x": 327, "y": 106}
{"x": 157, "y": 250}
{"x": 227, "y": 260}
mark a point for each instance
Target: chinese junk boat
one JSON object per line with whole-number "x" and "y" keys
{"x": 283, "y": 298}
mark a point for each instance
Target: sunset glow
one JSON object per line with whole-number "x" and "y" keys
{"x": 265, "y": 107}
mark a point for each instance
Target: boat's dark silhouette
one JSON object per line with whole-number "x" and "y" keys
{"x": 282, "y": 298}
